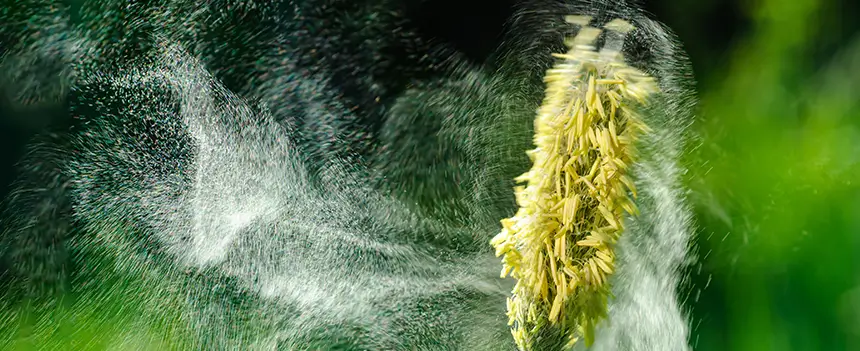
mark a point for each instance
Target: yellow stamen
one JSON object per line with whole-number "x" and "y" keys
{"x": 577, "y": 190}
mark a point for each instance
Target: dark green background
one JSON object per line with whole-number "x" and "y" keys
{"x": 775, "y": 174}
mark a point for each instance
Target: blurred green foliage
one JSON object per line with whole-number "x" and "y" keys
{"x": 775, "y": 178}
{"x": 110, "y": 310}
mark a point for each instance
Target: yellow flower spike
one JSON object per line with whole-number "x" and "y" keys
{"x": 577, "y": 189}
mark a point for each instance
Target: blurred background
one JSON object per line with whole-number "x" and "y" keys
{"x": 774, "y": 171}
{"x": 775, "y": 176}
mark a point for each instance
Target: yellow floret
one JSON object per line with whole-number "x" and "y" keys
{"x": 559, "y": 245}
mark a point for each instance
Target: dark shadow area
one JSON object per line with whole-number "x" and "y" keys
{"x": 474, "y": 28}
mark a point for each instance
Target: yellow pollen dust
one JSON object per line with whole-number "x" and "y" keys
{"x": 559, "y": 246}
